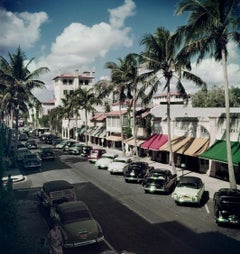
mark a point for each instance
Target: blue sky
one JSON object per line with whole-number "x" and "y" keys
{"x": 85, "y": 34}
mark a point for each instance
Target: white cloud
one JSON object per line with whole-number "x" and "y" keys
{"x": 20, "y": 29}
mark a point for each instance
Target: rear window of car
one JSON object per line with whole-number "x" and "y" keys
{"x": 75, "y": 216}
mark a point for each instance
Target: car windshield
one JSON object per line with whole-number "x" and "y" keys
{"x": 157, "y": 181}
{"x": 120, "y": 160}
{"x": 74, "y": 216}
{"x": 108, "y": 156}
{"x": 188, "y": 185}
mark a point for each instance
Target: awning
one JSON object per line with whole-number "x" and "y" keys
{"x": 147, "y": 143}
{"x": 158, "y": 142}
{"x": 130, "y": 141}
{"x": 186, "y": 145}
{"x": 218, "y": 152}
{"x": 113, "y": 138}
{"x": 82, "y": 129}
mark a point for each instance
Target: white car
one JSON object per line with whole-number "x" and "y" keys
{"x": 117, "y": 165}
{"x": 105, "y": 160}
{"x": 190, "y": 189}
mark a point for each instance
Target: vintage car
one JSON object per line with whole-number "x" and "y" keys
{"x": 31, "y": 144}
{"x": 190, "y": 189}
{"x": 23, "y": 137}
{"x": 159, "y": 180}
{"x": 227, "y": 206}
{"x": 105, "y": 160}
{"x": 21, "y": 152}
{"x": 117, "y": 165}
{"x": 47, "y": 153}
{"x": 85, "y": 151}
{"x": 75, "y": 149}
{"x": 61, "y": 144}
{"x": 76, "y": 223}
{"x": 95, "y": 154}
{"x": 31, "y": 160}
{"x": 56, "y": 192}
{"x": 69, "y": 144}
{"x": 136, "y": 171}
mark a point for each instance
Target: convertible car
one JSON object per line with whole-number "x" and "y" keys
{"x": 159, "y": 180}
{"x": 76, "y": 223}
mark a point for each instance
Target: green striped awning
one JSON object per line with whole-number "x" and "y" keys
{"x": 218, "y": 152}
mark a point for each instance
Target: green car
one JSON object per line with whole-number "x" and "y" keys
{"x": 76, "y": 223}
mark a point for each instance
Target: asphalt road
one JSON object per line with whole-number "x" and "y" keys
{"x": 132, "y": 220}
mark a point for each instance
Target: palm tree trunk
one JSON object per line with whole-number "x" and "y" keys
{"x": 232, "y": 179}
{"x": 121, "y": 124}
{"x": 134, "y": 119}
{"x": 171, "y": 155}
{"x": 86, "y": 119}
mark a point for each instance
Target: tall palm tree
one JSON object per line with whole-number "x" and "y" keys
{"x": 210, "y": 26}
{"x": 163, "y": 55}
{"x": 120, "y": 86}
{"x": 19, "y": 82}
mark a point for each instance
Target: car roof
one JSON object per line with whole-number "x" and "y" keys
{"x": 229, "y": 192}
{"x": 161, "y": 171}
{"x": 190, "y": 179}
{"x": 72, "y": 206}
{"x": 56, "y": 185}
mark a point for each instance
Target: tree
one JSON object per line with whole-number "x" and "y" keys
{"x": 210, "y": 26}
{"x": 18, "y": 82}
{"x": 163, "y": 55}
{"x": 67, "y": 110}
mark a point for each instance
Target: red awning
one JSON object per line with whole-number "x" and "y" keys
{"x": 147, "y": 143}
{"x": 158, "y": 142}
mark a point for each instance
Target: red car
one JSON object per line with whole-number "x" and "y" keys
{"x": 95, "y": 154}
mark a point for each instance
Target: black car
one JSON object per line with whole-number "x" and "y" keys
{"x": 47, "y": 153}
{"x": 159, "y": 180}
{"x": 31, "y": 144}
{"x": 50, "y": 138}
{"x": 85, "y": 151}
{"x": 136, "y": 171}
{"x": 227, "y": 206}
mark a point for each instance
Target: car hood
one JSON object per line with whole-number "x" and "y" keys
{"x": 82, "y": 230}
{"x": 186, "y": 191}
{"x": 118, "y": 165}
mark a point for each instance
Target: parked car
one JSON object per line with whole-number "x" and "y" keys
{"x": 61, "y": 144}
{"x": 75, "y": 149}
{"x": 159, "y": 180}
{"x": 56, "y": 141}
{"x": 49, "y": 138}
{"x": 47, "y": 153}
{"x": 76, "y": 223}
{"x": 190, "y": 189}
{"x": 44, "y": 136}
{"x": 136, "y": 171}
{"x": 105, "y": 160}
{"x": 227, "y": 206}
{"x": 56, "y": 192}
{"x": 95, "y": 154}
{"x": 117, "y": 165}
{"x": 31, "y": 144}
{"x": 31, "y": 160}
{"x": 23, "y": 137}
{"x": 21, "y": 152}
{"x": 69, "y": 144}
{"x": 85, "y": 151}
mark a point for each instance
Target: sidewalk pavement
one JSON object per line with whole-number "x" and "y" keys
{"x": 211, "y": 184}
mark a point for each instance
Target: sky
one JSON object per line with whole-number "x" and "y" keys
{"x": 85, "y": 34}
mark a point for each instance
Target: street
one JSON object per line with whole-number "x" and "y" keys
{"x": 132, "y": 220}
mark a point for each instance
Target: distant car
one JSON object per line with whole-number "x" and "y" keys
{"x": 31, "y": 144}
{"x": 47, "y": 153}
{"x": 105, "y": 160}
{"x": 61, "y": 144}
{"x": 76, "y": 223}
{"x": 95, "y": 154}
{"x": 136, "y": 171}
{"x": 85, "y": 151}
{"x": 31, "y": 161}
{"x": 190, "y": 189}
{"x": 56, "y": 141}
{"x": 117, "y": 165}
{"x": 69, "y": 144}
{"x": 55, "y": 192}
{"x": 21, "y": 152}
{"x": 49, "y": 138}
{"x": 75, "y": 149}
{"x": 227, "y": 206}
{"x": 23, "y": 137}
{"x": 159, "y": 180}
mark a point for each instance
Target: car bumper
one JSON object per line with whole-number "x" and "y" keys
{"x": 82, "y": 243}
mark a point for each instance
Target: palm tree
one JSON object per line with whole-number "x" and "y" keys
{"x": 162, "y": 55}
{"x": 19, "y": 82}
{"x": 210, "y": 26}
{"x": 120, "y": 86}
